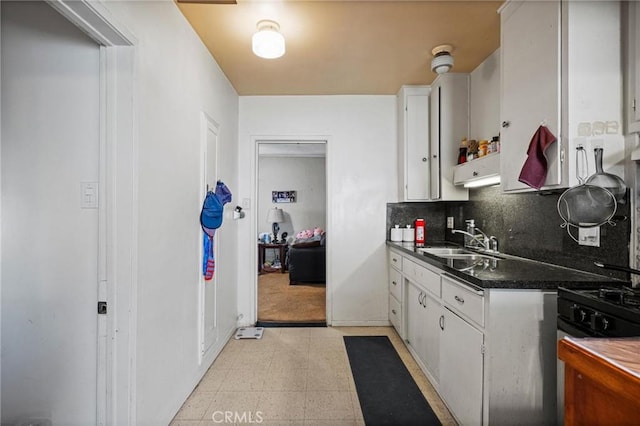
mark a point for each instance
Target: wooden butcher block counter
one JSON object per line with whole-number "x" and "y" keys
{"x": 602, "y": 381}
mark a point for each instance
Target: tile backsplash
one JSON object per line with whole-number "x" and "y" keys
{"x": 526, "y": 225}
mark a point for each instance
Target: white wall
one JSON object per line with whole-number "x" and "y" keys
{"x": 484, "y": 99}
{"x": 362, "y": 178}
{"x": 176, "y": 80}
{"x": 307, "y": 177}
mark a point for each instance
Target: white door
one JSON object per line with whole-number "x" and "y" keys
{"x": 207, "y": 291}
{"x": 50, "y": 171}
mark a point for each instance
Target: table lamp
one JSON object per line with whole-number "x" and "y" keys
{"x": 275, "y": 216}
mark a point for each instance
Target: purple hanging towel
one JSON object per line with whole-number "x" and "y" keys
{"x": 534, "y": 171}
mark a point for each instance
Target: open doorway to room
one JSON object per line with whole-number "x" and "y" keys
{"x": 291, "y": 224}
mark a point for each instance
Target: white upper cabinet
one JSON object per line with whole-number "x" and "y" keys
{"x": 632, "y": 106}
{"x": 561, "y": 67}
{"x": 449, "y": 125}
{"x": 530, "y": 45}
{"x": 432, "y": 120}
{"x": 413, "y": 142}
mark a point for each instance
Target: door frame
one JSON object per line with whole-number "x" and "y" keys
{"x": 207, "y": 125}
{"x": 118, "y": 211}
{"x": 288, "y": 139}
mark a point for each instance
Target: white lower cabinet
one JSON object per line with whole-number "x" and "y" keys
{"x": 461, "y": 368}
{"x": 396, "y": 296}
{"x": 489, "y": 353}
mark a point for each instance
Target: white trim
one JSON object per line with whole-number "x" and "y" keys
{"x": 103, "y": 357}
{"x": 381, "y": 323}
{"x": 255, "y": 140}
{"x": 95, "y": 20}
{"x": 118, "y": 205}
{"x": 207, "y": 124}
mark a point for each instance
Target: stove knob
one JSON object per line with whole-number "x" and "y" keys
{"x": 599, "y": 322}
{"x": 578, "y": 314}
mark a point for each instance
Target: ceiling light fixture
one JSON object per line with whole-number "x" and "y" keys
{"x": 267, "y": 42}
{"x": 442, "y": 59}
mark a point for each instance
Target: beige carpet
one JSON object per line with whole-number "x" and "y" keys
{"x": 280, "y": 302}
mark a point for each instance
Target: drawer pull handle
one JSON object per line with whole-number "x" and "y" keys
{"x": 393, "y": 311}
{"x": 394, "y": 283}
{"x": 394, "y": 259}
{"x": 441, "y": 322}
{"x": 459, "y": 299}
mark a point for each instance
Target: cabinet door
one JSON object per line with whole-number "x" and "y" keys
{"x": 434, "y": 172}
{"x": 417, "y": 147}
{"x": 530, "y": 92}
{"x": 461, "y": 368}
{"x": 432, "y": 311}
{"x": 415, "y": 320}
{"x": 449, "y": 125}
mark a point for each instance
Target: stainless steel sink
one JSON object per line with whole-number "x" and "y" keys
{"x": 458, "y": 253}
{"x": 447, "y": 251}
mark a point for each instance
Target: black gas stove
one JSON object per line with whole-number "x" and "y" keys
{"x": 599, "y": 312}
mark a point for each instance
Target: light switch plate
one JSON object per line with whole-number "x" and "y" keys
{"x": 589, "y": 236}
{"x": 88, "y": 195}
{"x": 450, "y": 222}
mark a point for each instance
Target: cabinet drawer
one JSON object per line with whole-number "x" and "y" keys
{"x": 419, "y": 274}
{"x": 395, "y": 260}
{"x": 463, "y": 299}
{"x": 395, "y": 283}
{"x": 395, "y": 314}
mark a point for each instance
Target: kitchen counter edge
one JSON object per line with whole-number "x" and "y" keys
{"x": 537, "y": 283}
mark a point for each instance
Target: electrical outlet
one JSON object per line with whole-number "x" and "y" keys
{"x": 589, "y": 236}
{"x": 449, "y": 222}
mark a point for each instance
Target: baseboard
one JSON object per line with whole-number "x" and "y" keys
{"x": 268, "y": 324}
{"x": 382, "y": 323}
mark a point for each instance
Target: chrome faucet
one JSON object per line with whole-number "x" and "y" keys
{"x": 472, "y": 239}
{"x": 493, "y": 244}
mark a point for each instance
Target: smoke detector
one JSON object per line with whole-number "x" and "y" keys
{"x": 442, "y": 59}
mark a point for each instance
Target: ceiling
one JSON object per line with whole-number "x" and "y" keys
{"x": 344, "y": 47}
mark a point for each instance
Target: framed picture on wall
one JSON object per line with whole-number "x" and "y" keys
{"x": 283, "y": 196}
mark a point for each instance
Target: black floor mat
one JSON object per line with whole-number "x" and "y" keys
{"x": 388, "y": 394}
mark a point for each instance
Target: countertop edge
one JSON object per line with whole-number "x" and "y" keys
{"x": 531, "y": 284}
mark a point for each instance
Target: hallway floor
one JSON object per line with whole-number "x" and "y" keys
{"x": 292, "y": 376}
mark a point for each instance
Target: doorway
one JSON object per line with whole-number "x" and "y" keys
{"x": 67, "y": 71}
{"x": 291, "y": 224}
{"x": 51, "y": 142}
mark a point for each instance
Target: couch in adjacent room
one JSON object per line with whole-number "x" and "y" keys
{"x": 306, "y": 259}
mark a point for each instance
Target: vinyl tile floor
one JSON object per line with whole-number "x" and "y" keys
{"x": 292, "y": 376}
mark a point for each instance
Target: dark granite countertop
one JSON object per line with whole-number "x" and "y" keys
{"x": 508, "y": 272}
